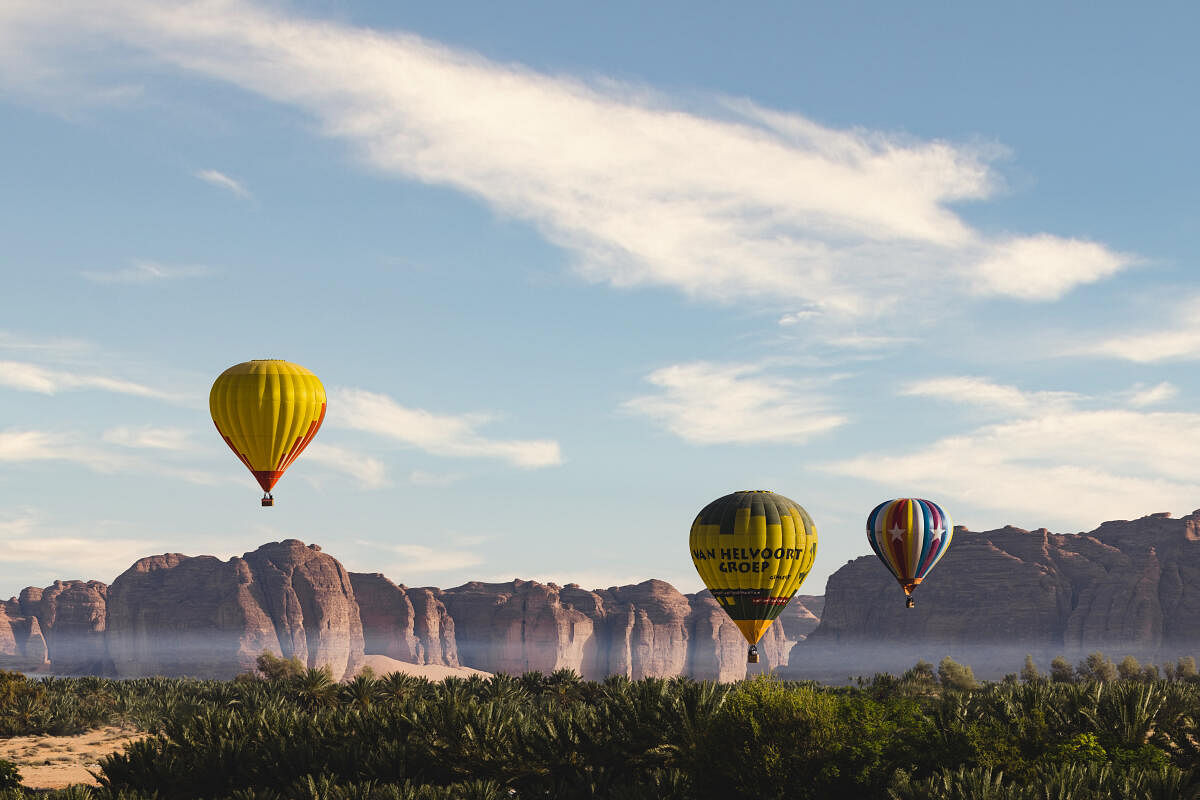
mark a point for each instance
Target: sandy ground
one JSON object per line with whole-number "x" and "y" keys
{"x": 382, "y": 665}
{"x": 52, "y": 762}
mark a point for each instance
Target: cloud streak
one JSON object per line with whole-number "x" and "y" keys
{"x": 146, "y": 272}
{"x": 735, "y": 202}
{"x": 368, "y": 471}
{"x": 705, "y": 403}
{"x": 1049, "y": 457}
{"x": 438, "y": 434}
{"x": 34, "y": 378}
{"x": 222, "y": 181}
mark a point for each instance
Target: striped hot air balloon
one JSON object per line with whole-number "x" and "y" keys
{"x": 267, "y": 411}
{"x": 909, "y": 535}
{"x": 753, "y": 550}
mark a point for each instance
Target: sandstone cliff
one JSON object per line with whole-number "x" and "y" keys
{"x": 410, "y": 625}
{"x": 1126, "y": 588}
{"x": 22, "y": 645}
{"x": 180, "y": 615}
{"x": 71, "y": 615}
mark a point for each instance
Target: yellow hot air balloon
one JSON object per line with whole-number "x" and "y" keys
{"x": 267, "y": 411}
{"x": 753, "y": 550}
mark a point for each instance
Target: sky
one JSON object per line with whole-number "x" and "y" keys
{"x": 570, "y": 271}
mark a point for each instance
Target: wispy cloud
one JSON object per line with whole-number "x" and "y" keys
{"x": 1050, "y": 459}
{"x": 416, "y": 559}
{"x": 706, "y": 403}
{"x": 34, "y": 445}
{"x": 1153, "y": 395}
{"x": 732, "y": 202}
{"x": 34, "y": 378}
{"x": 35, "y": 551}
{"x": 439, "y": 434}
{"x": 367, "y": 470}
{"x": 981, "y": 392}
{"x": 223, "y": 181}
{"x": 57, "y": 346}
{"x": 146, "y": 272}
{"x": 27, "y": 446}
{"x": 149, "y": 437}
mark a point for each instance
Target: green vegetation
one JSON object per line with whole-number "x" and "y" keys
{"x": 931, "y": 734}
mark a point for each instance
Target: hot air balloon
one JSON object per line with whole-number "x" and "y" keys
{"x": 909, "y": 536}
{"x": 753, "y": 550}
{"x": 267, "y": 411}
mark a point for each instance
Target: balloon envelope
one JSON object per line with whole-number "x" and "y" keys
{"x": 753, "y": 550}
{"x": 267, "y": 411}
{"x": 909, "y": 535}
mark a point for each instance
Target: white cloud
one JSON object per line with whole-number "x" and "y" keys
{"x": 744, "y": 202}
{"x": 1153, "y": 395}
{"x": 419, "y": 559}
{"x": 1045, "y": 267}
{"x": 35, "y": 552}
{"x": 223, "y": 181}
{"x": 439, "y": 434}
{"x": 366, "y": 470}
{"x": 23, "y": 446}
{"x": 1052, "y": 461}
{"x": 146, "y": 272}
{"x": 147, "y": 436}
{"x": 33, "y": 378}
{"x": 705, "y": 403}
{"x": 981, "y": 392}
{"x": 30, "y": 445}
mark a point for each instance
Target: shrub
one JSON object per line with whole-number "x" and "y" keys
{"x": 9, "y": 777}
{"x": 1029, "y": 672}
{"x": 1097, "y": 667}
{"x": 956, "y": 676}
{"x": 1061, "y": 670}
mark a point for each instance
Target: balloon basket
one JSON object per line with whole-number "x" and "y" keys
{"x": 909, "y": 602}
{"x": 752, "y": 656}
{"x": 268, "y": 501}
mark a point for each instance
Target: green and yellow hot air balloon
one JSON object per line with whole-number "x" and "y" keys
{"x": 267, "y": 411}
{"x": 753, "y": 550}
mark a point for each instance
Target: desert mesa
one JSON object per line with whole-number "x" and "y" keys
{"x": 1125, "y": 588}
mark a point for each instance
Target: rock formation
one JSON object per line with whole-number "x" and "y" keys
{"x": 410, "y": 625}
{"x": 180, "y": 615}
{"x": 1126, "y": 588}
{"x": 71, "y": 615}
{"x": 22, "y": 645}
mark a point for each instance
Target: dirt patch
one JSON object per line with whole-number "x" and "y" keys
{"x": 53, "y": 762}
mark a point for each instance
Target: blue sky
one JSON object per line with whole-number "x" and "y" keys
{"x": 570, "y": 271}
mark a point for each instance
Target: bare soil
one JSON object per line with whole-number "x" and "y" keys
{"x": 54, "y": 762}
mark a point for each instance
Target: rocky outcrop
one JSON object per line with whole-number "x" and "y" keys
{"x": 181, "y": 615}
{"x": 22, "y": 645}
{"x": 1126, "y": 588}
{"x": 410, "y": 625}
{"x": 71, "y": 615}
{"x": 646, "y": 630}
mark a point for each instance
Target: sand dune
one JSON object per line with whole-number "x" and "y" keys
{"x": 382, "y": 665}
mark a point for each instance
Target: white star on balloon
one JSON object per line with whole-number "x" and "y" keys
{"x": 897, "y": 533}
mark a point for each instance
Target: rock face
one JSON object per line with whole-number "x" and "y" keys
{"x": 410, "y": 625}
{"x": 22, "y": 645}
{"x": 179, "y": 615}
{"x": 1126, "y": 588}
{"x": 646, "y": 630}
{"x": 71, "y": 615}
